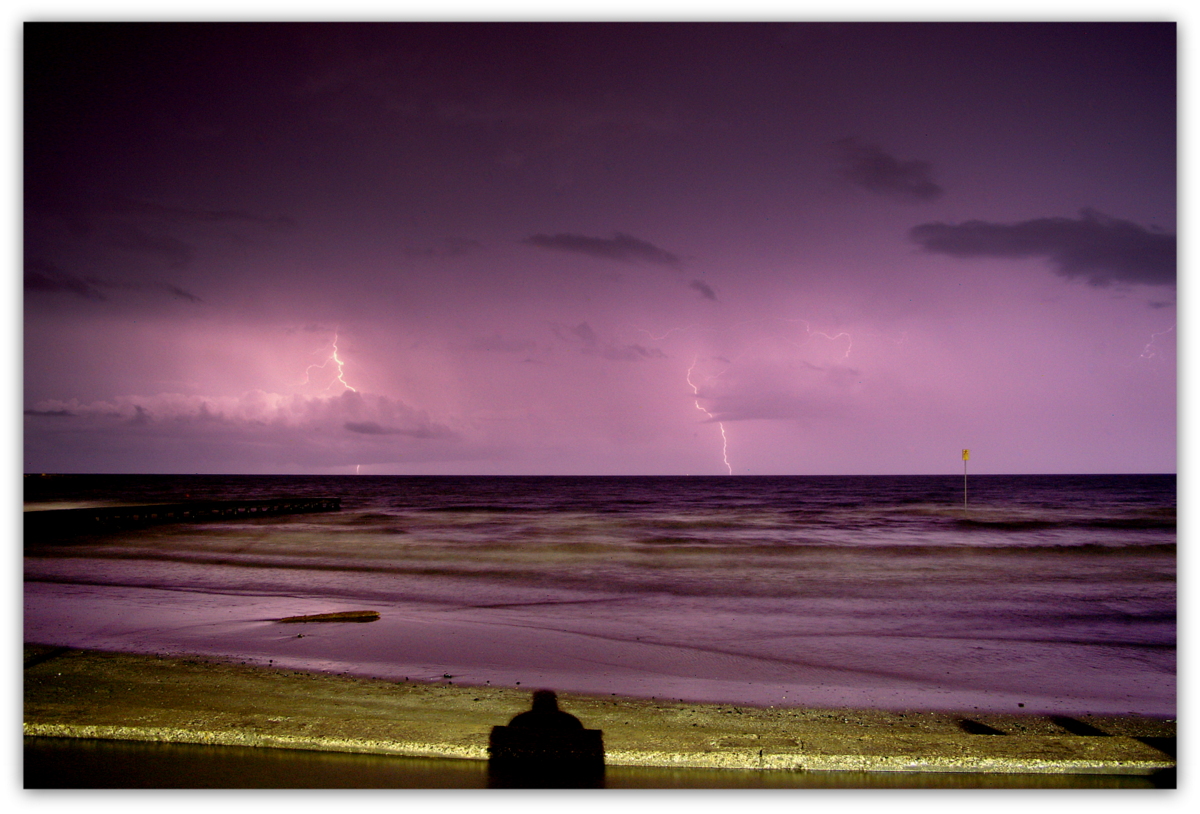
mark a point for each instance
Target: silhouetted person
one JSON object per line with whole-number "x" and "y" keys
{"x": 545, "y": 748}
{"x": 545, "y": 714}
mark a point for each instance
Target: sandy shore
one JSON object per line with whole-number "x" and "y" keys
{"x": 90, "y": 694}
{"x": 577, "y": 647}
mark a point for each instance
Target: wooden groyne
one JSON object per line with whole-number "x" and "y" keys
{"x": 55, "y": 522}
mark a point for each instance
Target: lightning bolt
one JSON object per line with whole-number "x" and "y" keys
{"x": 341, "y": 364}
{"x": 1149, "y": 352}
{"x": 808, "y": 330}
{"x": 333, "y": 357}
{"x": 721, "y": 424}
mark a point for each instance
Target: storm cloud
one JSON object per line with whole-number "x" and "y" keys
{"x": 585, "y": 248}
{"x": 1101, "y": 248}
{"x": 588, "y": 342}
{"x": 46, "y": 277}
{"x": 869, "y": 167}
{"x": 179, "y": 214}
{"x": 620, "y": 246}
{"x": 257, "y": 414}
{"x": 375, "y": 428}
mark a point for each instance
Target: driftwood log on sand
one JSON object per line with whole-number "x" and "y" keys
{"x": 341, "y": 616}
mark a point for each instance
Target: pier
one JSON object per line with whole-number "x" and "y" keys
{"x": 98, "y": 520}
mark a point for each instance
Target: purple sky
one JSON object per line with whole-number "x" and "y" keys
{"x": 600, "y": 249}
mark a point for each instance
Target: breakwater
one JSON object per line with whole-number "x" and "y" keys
{"x": 58, "y": 522}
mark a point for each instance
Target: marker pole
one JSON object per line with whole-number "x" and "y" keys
{"x": 966, "y": 456}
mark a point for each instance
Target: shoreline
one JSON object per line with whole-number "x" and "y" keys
{"x": 576, "y": 653}
{"x": 77, "y": 693}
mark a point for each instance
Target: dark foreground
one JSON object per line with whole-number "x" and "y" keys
{"x": 80, "y": 763}
{"x": 100, "y": 720}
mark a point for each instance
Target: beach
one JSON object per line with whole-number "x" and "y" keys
{"x": 777, "y": 626}
{"x": 571, "y": 645}
{"x": 1056, "y": 595}
{"x": 190, "y": 700}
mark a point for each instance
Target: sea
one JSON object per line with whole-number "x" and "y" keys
{"x": 1033, "y": 593}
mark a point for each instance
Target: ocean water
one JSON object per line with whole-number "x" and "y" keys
{"x": 1046, "y": 593}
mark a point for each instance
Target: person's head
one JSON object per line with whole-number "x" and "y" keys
{"x": 545, "y": 701}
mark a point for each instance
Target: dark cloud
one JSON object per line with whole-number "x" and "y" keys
{"x": 237, "y": 432}
{"x": 497, "y": 344}
{"x": 585, "y": 333}
{"x": 46, "y": 277}
{"x": 1102, "y": 249}
{"x": 124, "y": 244}
{"x": 619, "y": 247}
{"x": 51, "y": 413}
{"x": 367, "y": 428}
{"x": 181, "y": 294}
{"x": 630, "y": 353}
{"x": 139, "y": 225}
{"x": 590, "y": 344}
{"x": 133, "y": 238}
{"x": 375, "y": 428}
{"x": 704, "y": 289}
{"x": 255, "y": 413}
{"x": 180, "y": 214}
{"x": 43, "y": 276}
{"x": 872, "y": 169}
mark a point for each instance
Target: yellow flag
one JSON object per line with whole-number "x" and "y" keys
{"x": 966, "y": 454}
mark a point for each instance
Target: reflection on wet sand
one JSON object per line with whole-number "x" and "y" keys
{"x": 75, "y": 763}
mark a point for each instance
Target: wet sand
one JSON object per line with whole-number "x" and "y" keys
{"x": 72, "y": 693}
{"x": 593, "y": 654}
